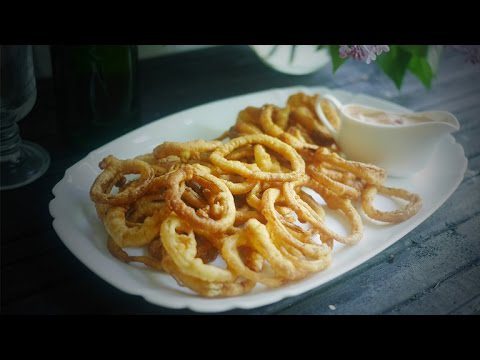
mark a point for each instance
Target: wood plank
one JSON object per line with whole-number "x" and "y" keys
{"x": 86, "y": 294}
{"x": 469, "y": 141}
{"x": 27, "y": 248}
{"x": 465, "y": 98}
{"x": 471, "y": 306}
{"x": 439, "y": 96}
{"x": 446, "y": 295}
{"x": 469, "y": 118}
{"x": 82, "y": 292}
{"x": 26, "y": 214}
{"x": 41, "y": 272}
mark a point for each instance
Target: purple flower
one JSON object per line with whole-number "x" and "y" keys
{"x": 472, "y": 52}
{"x": 366, "y": 53}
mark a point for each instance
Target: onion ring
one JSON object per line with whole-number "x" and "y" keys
{"x": 370, "y": 173}
{"x": 222, "y": 193}
{"x": 266, "y": 121}
{"x": 310, "y": 201}
{"x": 413, "y": 206}
{"x": 122, "y": 255}
{"x": 230, "y": 252}
{"x": 263, "y": 158}
{"x": 256, "y": 235}
{"x": 252, "y": 258}
{"x": 183, "y": 250}
{"x": 253, "y": 198}
{"x": 306, "y": 118}
{"x": 205, "y": 288}
{"x": 242, "y": 153}
{"x": 330, "y": 113}
{"x": 239, "y": 188}
{"x": 185, "y": 150}
{"x": 146, "y": 206}
{"x": 306, "y": 213}
{"x": 137, "y": 235}
{"x": 205, "y": 249}
{"x": 160, "y": 169}
{"x": 193, "y": 199}
{"x": 337, "y": 187}
{"x": 279, "y": 230}
{"x": 246, "y": 213}
{"x": 113, "y": 168}
{"x": 296, "y": 162}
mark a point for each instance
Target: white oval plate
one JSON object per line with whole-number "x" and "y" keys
{"x": 76, "y": 223}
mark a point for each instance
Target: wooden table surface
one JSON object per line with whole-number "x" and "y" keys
{"x": 432, "y": 270}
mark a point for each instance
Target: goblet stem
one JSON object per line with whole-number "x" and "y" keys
{"x": 21, "y": 162}
{"x": 9, "y": 140}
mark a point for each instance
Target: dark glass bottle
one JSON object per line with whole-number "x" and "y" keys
{"x": 96, "y": 91}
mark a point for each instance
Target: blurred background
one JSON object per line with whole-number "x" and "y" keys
{"x": 43, "y": 62}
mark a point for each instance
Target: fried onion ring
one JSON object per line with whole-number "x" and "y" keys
{"x": 137, "y": 235}
{"x": 304, "y": 117}
{"x": 182, "y": 248}
{"x": 409, "y": 210}
{"x": 122, "y": 255}
{"x": 280, "y": 229}
{"x": 337, "y": 187}
{"x": 306, "y": 213}
{"x": 207, "y": 288}
{"x": 224, "y": 197}
{"x": 246, "y": 213}
{"x": 370, "y": 173}
{"x": 296, "y": 162}
{"x": 185, "y": 150}
{"x": 260, "y": 242}
{"x": 113, "y": 168}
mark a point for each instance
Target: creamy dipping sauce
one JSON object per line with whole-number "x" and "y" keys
{"x": 373, "y": 116}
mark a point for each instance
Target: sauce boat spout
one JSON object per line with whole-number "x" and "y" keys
{"x": 440, "y": 119}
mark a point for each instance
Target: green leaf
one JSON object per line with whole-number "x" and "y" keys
{"x": 394, "y": 64}
{"x": 337, "y": 61}
{"x": 420, "y": 67}
{"x": 416, "y": 50}
{"x": 433, "y": 56}
{"x": 425, "y": 67}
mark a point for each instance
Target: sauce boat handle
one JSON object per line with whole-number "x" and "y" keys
{"x": 322, "y": 116}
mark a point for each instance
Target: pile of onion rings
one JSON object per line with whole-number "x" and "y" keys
{"x": 245, "y": 197}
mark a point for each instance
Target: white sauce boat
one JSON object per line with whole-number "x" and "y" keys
{"x": 401, "y": 149}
